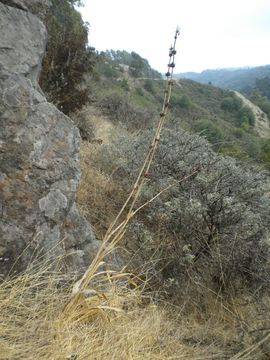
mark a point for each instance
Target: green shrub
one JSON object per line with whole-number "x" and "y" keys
{"x": 239, "y": 133}
{"x": 265, "y": 106}
{"x": 149, "y": 86}
{"x": 231, "y": 104}
{"x": 180, "y": 104}
{"x": 124, "y": 85}
{"x": 234, "y": 150}
{"x": 209, "y": 130}
{"x": 184, "y": 102}
{"x": 245, "y": 116}
{"x": 266, "y": 152}
{"x": 139, "y": 91}
{"x": 108, "y": 71}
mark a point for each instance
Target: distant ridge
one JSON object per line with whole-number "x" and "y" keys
{"x": 229, "y": 78}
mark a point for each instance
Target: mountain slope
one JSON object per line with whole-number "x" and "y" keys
{"x": 219, "y": 115}
{"x": 235, "y": 79}
{"x": 262, "y": 123}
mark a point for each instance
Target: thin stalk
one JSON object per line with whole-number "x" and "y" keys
{"x": 116, "y": 231}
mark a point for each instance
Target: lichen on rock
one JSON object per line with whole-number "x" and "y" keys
{"x": 39, "y": 155}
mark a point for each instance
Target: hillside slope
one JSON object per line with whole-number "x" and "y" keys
{"x": 262, "y": 123}
{"x": 235, "y": 79}
{"x": 219, "y": 115}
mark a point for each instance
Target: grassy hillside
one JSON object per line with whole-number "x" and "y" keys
{"x": 252, "y": 82}
{"x": 217, "y": 114}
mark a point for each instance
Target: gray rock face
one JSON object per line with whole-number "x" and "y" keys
{"x": 39, "y": 156}
{"x": 37, "y": 7}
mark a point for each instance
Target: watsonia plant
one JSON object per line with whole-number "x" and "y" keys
{"x": 118, "y": 227}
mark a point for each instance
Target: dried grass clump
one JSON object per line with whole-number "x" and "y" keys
{"x": 117, "y": 320}
{"x": 117, "y": 323}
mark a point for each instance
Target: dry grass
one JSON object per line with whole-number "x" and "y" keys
{"x": 118, "y": 323}
{"x": 99, "y": 197}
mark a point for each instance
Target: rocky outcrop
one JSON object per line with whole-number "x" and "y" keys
{"x": 39, "y": 155}
{"x": 37, "y": 7}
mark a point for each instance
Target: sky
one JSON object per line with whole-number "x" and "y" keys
{"x": 214, "y": 33}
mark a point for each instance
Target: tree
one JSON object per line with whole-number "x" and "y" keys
{"x": 68, "y": 57}
{"x": 136, "y": 65}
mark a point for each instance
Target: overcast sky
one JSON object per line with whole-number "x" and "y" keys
{"x": 214, "y": 33}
